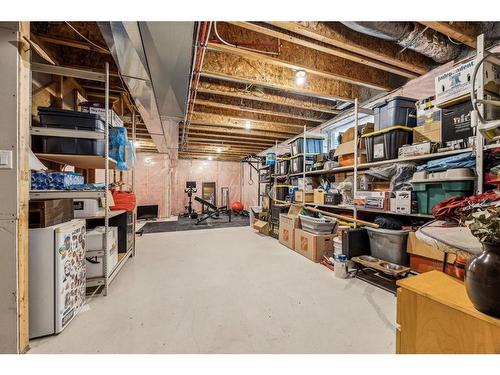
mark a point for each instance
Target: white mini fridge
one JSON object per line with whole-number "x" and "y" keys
{"x": 56, "y": 276}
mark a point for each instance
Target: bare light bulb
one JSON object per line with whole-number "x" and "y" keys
{"x": 219, "y": 150}
{"x": 137, "y": 144}
{"x": 300, "y": 77}
{"x": 210, "y": 157}
{"x": 248, "y": 124}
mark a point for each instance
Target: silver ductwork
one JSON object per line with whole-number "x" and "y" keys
{"x": 411, "y": 35}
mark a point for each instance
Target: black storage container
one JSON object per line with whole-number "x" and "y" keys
{"x": 384, "y": 144}
{"x": 65, "y": 119}
{"x": 297, "y": 164}
{"x": 396, "y": 111}
{"x": 282, "y": 192}
{"x": 355, "y": 242}
{"x": 283, "y": 166}
{"x": 333, "y": 198}
{"x": 314, "y": 145}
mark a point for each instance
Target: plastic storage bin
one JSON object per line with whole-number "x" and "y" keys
{"x": 271, "y": 159}
{"x": 282, "y": 192}
{"x": 283, "y": 166}
{"x": 324, "y": 225}
{"x": 314, "y": 145}
{"x": 297, "y": 164}
{"x": 384, "y": 144}
{"x": 396, "y": 111}
{"x": 432, "y": 188}
{"x": 389, "y": 245}
{"x": 64, "y": 119}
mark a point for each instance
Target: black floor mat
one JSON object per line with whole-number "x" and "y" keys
{"x": 185, "y": 223}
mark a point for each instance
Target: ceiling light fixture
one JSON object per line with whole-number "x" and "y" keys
{"x": 218, "y": 149}
{"x": 300, "y": 77}
{"x": 137, "y": 144}
{"x": 210, "y": 157}
{"x": 248, "y": 124}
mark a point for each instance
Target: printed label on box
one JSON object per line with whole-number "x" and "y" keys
{"x": 378, "y": 151}
{"x": 304, "y": 243}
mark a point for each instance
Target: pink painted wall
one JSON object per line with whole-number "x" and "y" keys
{"x": 224, "y": 174}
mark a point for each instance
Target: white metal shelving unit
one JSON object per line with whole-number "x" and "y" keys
{"x": 86, "y": 162}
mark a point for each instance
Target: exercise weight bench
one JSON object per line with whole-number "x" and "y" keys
{"x": 212, "y": 210}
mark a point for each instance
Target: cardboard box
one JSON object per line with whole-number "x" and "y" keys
{"x": 348, "y": 135}
{"x": 262, "y": 227}
{"x": 319, "y": 196}
{"x": 422, "y": 264}
{"x": 373, "y": 199}
{"x": 401, "y": 203}
{"x": 428, "y": 132}
{"x": 288, "y": 224}
{"x": 453, "y": 86}
{"x": 299, "y": 197}
{"x": 313, "y": 246}
{"x": 421, "y": 248}
{"x": 348, "y": 159}
{"x": 456, "y": 122}
{"x": 417, "y": 149}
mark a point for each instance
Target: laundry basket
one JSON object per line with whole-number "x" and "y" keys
{"x": 324, "y": 225}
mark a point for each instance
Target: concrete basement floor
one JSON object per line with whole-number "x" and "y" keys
{"x": 228, "y": 291}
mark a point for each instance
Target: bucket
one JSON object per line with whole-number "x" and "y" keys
{"x": 340, "y": 266}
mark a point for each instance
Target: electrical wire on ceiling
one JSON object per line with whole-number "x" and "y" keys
{"x": 85, "y": 38}
{"x": 241, "y": 47}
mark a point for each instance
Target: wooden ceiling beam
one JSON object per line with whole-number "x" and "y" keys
{"x": 263, "y": 95}
{"x": 201, "y": 118}
{"x": 317, "y": 45}
{"x": 71, "y": 43}
{"x": 463, "y": 32}
{"x": 244, "y": 132}
{"x": 295, "y": 57}
{"x": 233, "y": 68}
{"x": 340, "y": 36}
{"x": 210, "y": 146}
{"x": 237, "y": 143}
{"x": 209, "y": 103}
{"x": 228, "y": 137}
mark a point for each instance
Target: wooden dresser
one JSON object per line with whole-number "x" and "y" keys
{"x": 434, "y": 315}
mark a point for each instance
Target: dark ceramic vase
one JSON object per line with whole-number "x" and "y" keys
{"x": 482, "y": 280}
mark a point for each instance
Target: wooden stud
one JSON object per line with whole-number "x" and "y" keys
{"x": 318, "y": 64}
{"x": 70, "y": 43}
{"x": 201, "y": 118}
{"x": 463, "y": 32}
{"x": 253, "y": 110}
{"x": 338, "y": 35}
{"x": 264, "y": 95}
{"x": 315, "y": 44}
{"x": 238, "y": 69}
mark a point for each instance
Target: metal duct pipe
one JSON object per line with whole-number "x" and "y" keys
{"x": 411, "y": 35}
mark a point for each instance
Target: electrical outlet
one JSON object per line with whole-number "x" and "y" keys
{"x": 5, "y": 159}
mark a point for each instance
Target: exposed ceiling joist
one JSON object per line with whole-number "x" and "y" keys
{"x": 254, "y": 110}
{"x": 315, "y": 44}
{"x": 71, "y": 43}
{"x": 249, "y": 144}
{"x": 226, "y": 137}
{"x": 463, "y": 32}
{"x": 340, "y": 36}
{"x": 265, "y": 96}
{"x": 297, "y": 57}
{"x": 202, "y": 118}
{"x": 244, "y": 132}
{"x": 233, "y": 68}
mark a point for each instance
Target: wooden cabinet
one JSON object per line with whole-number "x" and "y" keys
{"x": 434, "y": 315}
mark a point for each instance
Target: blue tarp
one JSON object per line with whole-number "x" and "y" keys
{"x": 465, "y": 160}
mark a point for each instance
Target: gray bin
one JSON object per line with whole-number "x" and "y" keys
{"x": 395, "y": 111}
{"x": 389, "y": 245}
{"x": 325, "y": 225}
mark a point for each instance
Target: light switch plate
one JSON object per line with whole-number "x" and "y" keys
{"x": 5, "y": 159}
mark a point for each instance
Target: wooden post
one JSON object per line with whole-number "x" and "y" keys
{"x": 14, "y": 186}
